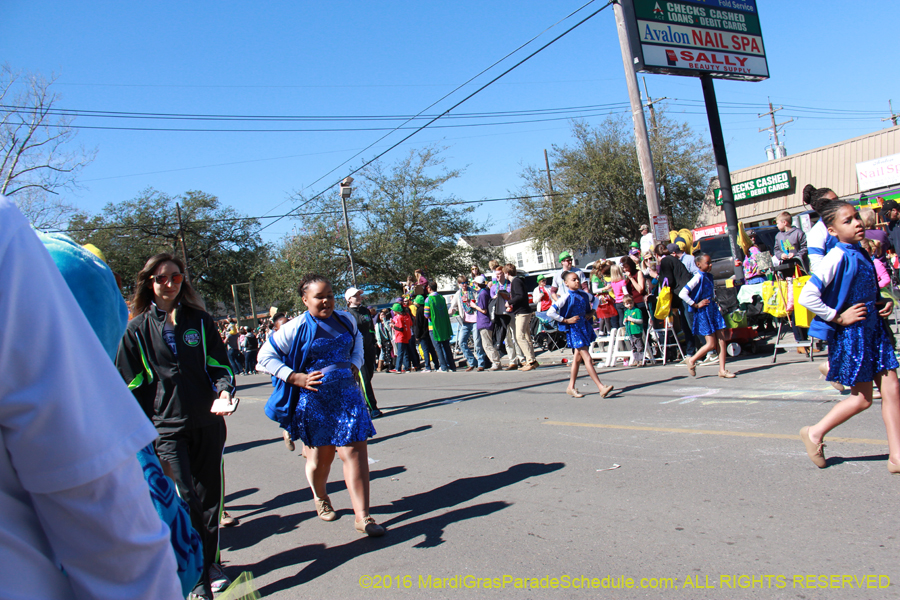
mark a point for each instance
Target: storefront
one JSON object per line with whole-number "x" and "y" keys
{"x": 858, "y": 170}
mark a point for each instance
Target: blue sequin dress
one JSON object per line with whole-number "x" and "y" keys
{"x": 335, "y": 414}
{"x": 578, "y": 334}
{"x": 707, "y": 320}
{"x": 859, "y": 351}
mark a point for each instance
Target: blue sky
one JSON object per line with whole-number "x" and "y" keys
{"x": 396, "y": 58}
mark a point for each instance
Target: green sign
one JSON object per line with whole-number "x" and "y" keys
{"x": 692, "y": 15}
{"x": 755, "y": 188}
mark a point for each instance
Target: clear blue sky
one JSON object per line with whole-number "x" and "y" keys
{"x": 396, "y": 58}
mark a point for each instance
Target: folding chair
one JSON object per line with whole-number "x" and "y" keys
{"x": 652, "y": 341}
{"x": 546, "y": 334}
{"x": 602, "y": 348}
{"x": 621, "y": 349}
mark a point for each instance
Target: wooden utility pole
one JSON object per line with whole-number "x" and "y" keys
{"x": 774, "y": 127}
{"x": 893, "y": 118}
{"x": 649, "y": 104}
{"x": 181, "y": 238}
{"x": 547, "y": 164}
{"x": 642, "y": 140}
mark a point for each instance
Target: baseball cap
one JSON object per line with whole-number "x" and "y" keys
{"x": 564, "y": 255}
{"x": 351, "y": 292}
{"x": 645, "y": 226}
{"x": 480, "y": 279}
{"x": 672, "y": 248}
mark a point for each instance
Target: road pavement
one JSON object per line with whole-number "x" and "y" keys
{"x": 672, "y": 487}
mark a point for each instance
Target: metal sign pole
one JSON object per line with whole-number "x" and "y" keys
{"x": 718, "y": 143}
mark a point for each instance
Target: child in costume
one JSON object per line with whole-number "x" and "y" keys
{"x": 569, "y": 310}
{"x": 843, "y": 294}
{"x": 699, "y": 294}
{"x": 316, "y": 358}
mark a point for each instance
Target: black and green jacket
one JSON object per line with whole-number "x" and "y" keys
{"x": 176, "y": 392}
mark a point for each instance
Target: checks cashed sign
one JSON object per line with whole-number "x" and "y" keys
{"x": 694, "y": 37}
{"x": 761, "y": 186}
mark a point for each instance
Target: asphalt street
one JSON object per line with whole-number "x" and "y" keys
{"x": 672, "y": 487}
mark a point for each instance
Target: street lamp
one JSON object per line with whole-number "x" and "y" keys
{"x": 345, "y": 194}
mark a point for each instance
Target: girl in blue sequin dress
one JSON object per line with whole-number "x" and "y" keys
{"x": 569, "y": 311}
{"x": 843, "y": 294}
{"x": 699, "y": 295}
{"x": 318, "y": 356}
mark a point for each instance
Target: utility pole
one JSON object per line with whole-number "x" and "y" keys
{"x": 893, "y": 118}
{"x": 547, "y": 164}
{"x": 649, "y": 104}
{"x": 346, "y": 190}
{"x": 181, "y": 237}
{"x": 642, "y": 140}
{"x": 775, "y": 126}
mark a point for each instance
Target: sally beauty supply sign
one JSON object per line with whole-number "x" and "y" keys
{"x": 721, "y": 38}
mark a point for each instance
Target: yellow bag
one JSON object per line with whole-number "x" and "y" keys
{"x": 802, "y": 316}
{"x": 774, "y": 297}
{"x": 663, "y": 301}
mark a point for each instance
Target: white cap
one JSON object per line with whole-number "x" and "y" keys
{"x": 351, "y": 292}
{"x": 480, "y": 279}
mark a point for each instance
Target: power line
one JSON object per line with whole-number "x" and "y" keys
{"x": 504, "y": 73}
{"x": 312, "y": 214}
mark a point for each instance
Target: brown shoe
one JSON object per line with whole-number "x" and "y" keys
{"x": 480, "y": 369}
{"x": 512, "y": 366}
{"x": 815, "y": 451}
{"x": 803, "y": 351}
{"x": 470, "y": 369}
{"x": 527, "y": 368}
{"x": 324, "y": 509}
{"x": 369, "y": 527}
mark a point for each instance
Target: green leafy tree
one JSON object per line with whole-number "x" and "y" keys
{"x": 222, "y": 246}
{"x": 599, "y": 198}
{"x": 400, "y": 221}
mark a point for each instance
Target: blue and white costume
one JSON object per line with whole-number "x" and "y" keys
{"x": 707, "y": 320}
{"x": 818, "y": 243}
{"x": 856, "y": 353}
{"x": 574, "y": 304}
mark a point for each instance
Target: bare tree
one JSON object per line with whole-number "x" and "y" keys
{"x": 43, "y": 210}
{"x": 35, "y": 137}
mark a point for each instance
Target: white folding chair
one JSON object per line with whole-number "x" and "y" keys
{"x": 621, "y": 348}
{"x": 602, "y": 348}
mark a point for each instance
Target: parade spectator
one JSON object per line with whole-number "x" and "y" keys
{"x": 869, "y": 220}
{"x": 251, "y": 347}
{"x": 441, "y": 330}
{"x": 567, "y": 262}
{"x": 323, "y": 351}
{"x": 384, "y": 339}
{"x": 235, "y": 357}
{"x": 401, "y": 323}
{"x": 422, "y": 336}
{"x": 790, "y": 242}
{"x": 634, "y": 328}
{"x": 686, "y": 258}
{"x": 366, "y": 327}
{"x": 501, "y": 287}
{"x": 175, "y": 378}
{"x": 569, "y": 310}
{"x": 78, "y": 520}
{"x": 673, "y": 273}
{"x": 421, "y": 278}
{"x": 522, "y": 314}
{"x": 637, "y": 286}
{"x": 646, "y": 240}
{"x": 484, "y": 325}
{"x": 541, "y": 297}
{"x": 475, "y": 271}
{"x": 461, "y": 305}
{"x": 890, "y": 214}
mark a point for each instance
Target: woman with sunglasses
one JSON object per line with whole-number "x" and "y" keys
{"x": 169, "y": 356}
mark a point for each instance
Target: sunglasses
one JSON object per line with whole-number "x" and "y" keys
{"x": 164, "y": 279}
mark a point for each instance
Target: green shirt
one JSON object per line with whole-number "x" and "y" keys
{"x": 436, "y": 313}
{"x": 634, "y": 328}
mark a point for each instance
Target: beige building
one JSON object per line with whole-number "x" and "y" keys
{"x": 849, "y": 168}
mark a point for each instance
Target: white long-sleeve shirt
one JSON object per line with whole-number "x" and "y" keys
{"x": 284, "y": 339}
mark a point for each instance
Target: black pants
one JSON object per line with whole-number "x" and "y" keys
{"x": 367, "y": 370}
{"x": 195, "y": 456}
